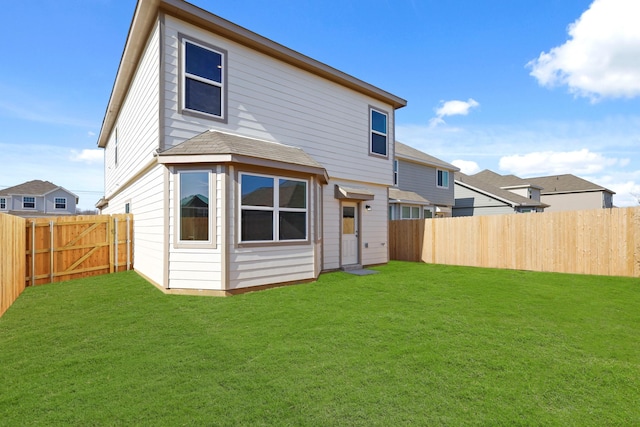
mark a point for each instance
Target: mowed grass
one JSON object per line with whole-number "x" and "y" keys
{"x": 414, "y": 345}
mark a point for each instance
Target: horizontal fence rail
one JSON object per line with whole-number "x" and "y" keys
{"x": 12, "y": 260}
{"x": 600, "y": 242}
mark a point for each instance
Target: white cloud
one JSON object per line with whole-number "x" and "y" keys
{"x": 90, "y": 133}
{"x": 88, "y": 156}
{"x": 452, "y": 108}
{"x": 557, "y": 162}
{"x": 466, "y": 166}
{"x": 601, "y": 58}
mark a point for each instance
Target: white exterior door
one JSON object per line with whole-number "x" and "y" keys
{"x": 349, "y": 233}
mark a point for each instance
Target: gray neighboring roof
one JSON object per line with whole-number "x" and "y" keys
{"x": 33, "y": 188}
{"x": 144, "y": 18}
{"x": 405, "y": 152}
{"x": 566, "y": 183}
{"x": 474, "y": 183}
{"x": 504, "y": 181}
{"x": 214, "y": 146}
{"x": 401, "y": 196}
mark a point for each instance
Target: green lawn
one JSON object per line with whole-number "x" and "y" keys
{"x": 414, "y": 345}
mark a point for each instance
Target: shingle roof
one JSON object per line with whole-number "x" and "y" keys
{"x": 566, "y": 183}
{"x": 503, "y": 181}
{"x": 219, "y": 143}
{"x": 475, "y": 183}
{"x": 31, "y": 188}
{"x": 403, "y": 151}
{"x": 401, "y": 196}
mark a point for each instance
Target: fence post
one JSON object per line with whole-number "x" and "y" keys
{"x": 115, "y": 226}
{"x": 33, "y": 253}
{"x": 128, "y": 244}
{"x": 51, "y": 255}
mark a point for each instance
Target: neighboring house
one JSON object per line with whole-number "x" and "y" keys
{"x": 37, "y": 198}
{"x": 423, "y": 185}
{"x": 569, "y": 192}
{"x": 245, "y": 163}
{"x": 475, "y": 196}
{"x": 525, "y": 188}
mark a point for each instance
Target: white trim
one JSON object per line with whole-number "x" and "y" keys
{"x": 184, "y": 75}
{"x": 448, "y": 178}
{"x": 211, "y": 238}
{"x": 55, "y": 203}
{"x": 275, "y": 209}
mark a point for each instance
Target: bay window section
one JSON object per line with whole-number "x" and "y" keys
{"x": 194, "y": 211}
{"x": 273, "y": 209}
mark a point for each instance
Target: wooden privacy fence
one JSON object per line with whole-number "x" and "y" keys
{"x": 71, "y": 247}
{"x": 601, "y": 241}
{"x": 12, "y": 259}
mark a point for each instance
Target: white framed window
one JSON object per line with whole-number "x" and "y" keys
{"x": 442, "y": 179}
{"x": 395, "y": 173}
{"x": 428, "y": 213}
{"x": 273, "y": 208}
{"x": 378, "y": 124}
{"x": 409, "y": 212}
{"x": 60, "y": 203}
{"x": 28, "y": 202}
{"x": 3, "y": 203}
{"x": 204, "y": 79}
{"x": 194, "y": 212}
{"x": 127, "y": 207}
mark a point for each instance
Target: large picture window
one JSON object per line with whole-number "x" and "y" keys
{"x": 272, "y": 208}
{"x": 378, "y": 142}
{"x": 194, "y": 206}
{"x": 204, "y": 77}
{"x": 443, "y": 179}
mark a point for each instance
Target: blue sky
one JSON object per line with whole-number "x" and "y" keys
{"x": 529, "y": 87}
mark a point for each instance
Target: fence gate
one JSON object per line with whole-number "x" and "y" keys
{"x": 64, "y": 248}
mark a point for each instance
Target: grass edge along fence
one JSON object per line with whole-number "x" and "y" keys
{"x": 12, "y": 259}
{"x": 36, "y": 251}
{"x": 599, "y": 242}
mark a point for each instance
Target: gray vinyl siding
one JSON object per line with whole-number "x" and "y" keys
{"x": 50, "y": 206}
{"x": 421, "y": 179}
{"x": 472, "y": 203}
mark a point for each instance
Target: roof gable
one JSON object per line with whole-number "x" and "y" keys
{"x": 405, "y": 152}
{"x": 35, "y": 187}
{"x": 145, "y": 17}
{"x": 481, "y": 186}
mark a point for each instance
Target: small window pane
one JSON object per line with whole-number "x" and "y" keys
{"x": 256, "y": 225}
{"x": 406, "y": 212}
{"x": 378, "y": 122}
{"x": 293, "y": 225}
{"x": 194, "y": 206}
{"x": 415, "y": 212}
{"x": 257, "y": 190}
{"x": 293, "y": 194}
{"x": 203, "y": 97}
{"x": 203, "y": 62}
{"x": 379, "y": 144}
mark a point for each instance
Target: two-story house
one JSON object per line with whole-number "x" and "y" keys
{"x": 422, "y": 185}
{"x": 37, "y": 198}
{"x": 246, "y": 164}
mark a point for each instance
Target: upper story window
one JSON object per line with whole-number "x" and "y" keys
{"x": 28, "y": 202}
{"x": 378, "y": 143}
{"x": 60, "y": 203}
{"x": 204, "y": 79}
{"x": 442, "y": 180}
{"x": 273, "y": 209}
{"x": 3, "y": 203}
